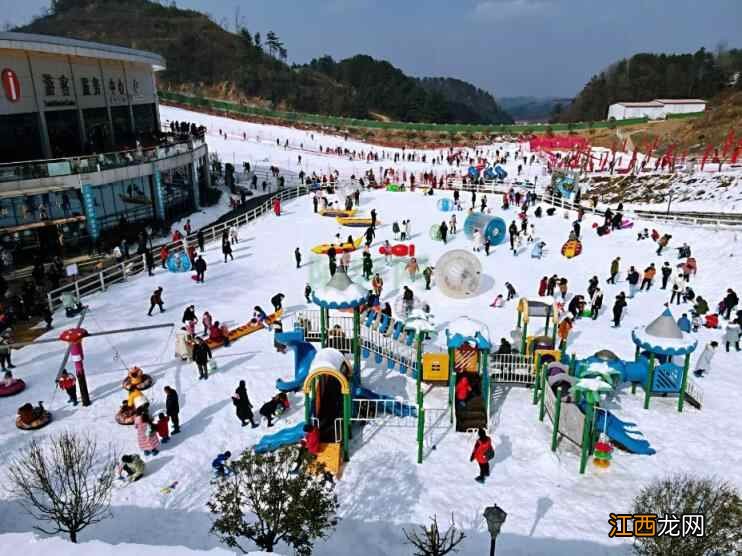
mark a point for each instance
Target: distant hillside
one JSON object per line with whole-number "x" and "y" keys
{"x": 250, "y": 66}
{"x": 467, "y": 102}
{"x": 648, "y": 76}
{"x": 532, "y": 109}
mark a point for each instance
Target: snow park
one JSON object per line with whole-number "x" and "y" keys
{"x": 244, "y": 330}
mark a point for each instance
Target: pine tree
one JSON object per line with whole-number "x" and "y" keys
{"x": 263, "y": 501}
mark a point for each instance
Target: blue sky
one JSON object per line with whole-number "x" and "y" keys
{"x": 509, "y": 47}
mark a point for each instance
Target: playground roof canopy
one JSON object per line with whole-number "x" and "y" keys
{"x": 464, "y": 329}
{"x": 327, "y": 358}
{"x": 663, "y": 337}
{"x": 340, "y": 292}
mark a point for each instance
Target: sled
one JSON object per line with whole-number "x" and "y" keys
{"x": 572, "y": 248}
{"x": 337, "y": 212}
{"x": 355, "y": 222}
{"x": 245, "y": 329}
{"x": 345, "y": 247}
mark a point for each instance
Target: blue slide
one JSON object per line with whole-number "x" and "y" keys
{"x": 288, "y": 435}
{"x": 397, "y": 409}
{"x": 619, "y": 432}
{"x": 304, "y": 353}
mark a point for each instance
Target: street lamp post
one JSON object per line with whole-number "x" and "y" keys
{"x": 669, "y": 201}
{"x": 495, "y": 517}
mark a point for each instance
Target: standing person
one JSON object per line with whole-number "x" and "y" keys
{"x": 482, "y": 453}
{"x": 200, "y": 267}
{"x": 227, "y": 250}
{"x": 615, "y": 267}
{"x": 377, "y": 284}
{"x": 511, "y": 291}
{"x": 666, "y": 271}
{"x": 513, "y": 231}
{"x": 407, "y": 229}
{"x": 234, "y": 234}
{"x": 277, "y": 301}
{"x": 189, "y": 314}
{"x": 428, "y": 276}
{"x": 201, "y": 356}
{"x": 408, "y": 299}
{"x": 412, "y": 268}
{"x": 731, "y": 335}
{"x": 596, "y": 303}
{"x": 551, "y": 285}
{"x": 67, "y": 383}
{"x": 164, "y": 254}
{"x": 703, "y": 364}
{"x": 542, "y": 285}
{"x": 315, "y": 201}
{"x": 395, "y": 230}
{"x": 307, "y": 293}
{"x": 373, "y": 217}
{"x": 370, "y": 234}
{"x": 443, "y": 229}
{"x": 368, "y": 265}
{"x": 147, "y": 437}
{"x": 163, "y": 428}
{"x": 242, "y": 405}
{"x": 618, "y": 308}
{"x": 172, "y": 408}
{"x": 565, "y": 327}
{"x": 207, "y": 321}
{"x": 297, "y": 257}
{"x": 649, "y": 274}
{"x": 309, "y": 447}
{"x": 200, "y": 240}
{"x": 155, "y": 300}
{"x": 730, "y": 302}
{"x": 452, "y": 225}
{"x": 149, "y": 261}
{"x": 633, "y": 279}
{"x": 5, "y": 349}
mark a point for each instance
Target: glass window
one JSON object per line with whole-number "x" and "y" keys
{"x": 145, "y": 121}
{"x": 20, "y": 138}
{"x": 122, "y": 127}
{"x": 64, "y": 133}
{"x": 97, "y": 130}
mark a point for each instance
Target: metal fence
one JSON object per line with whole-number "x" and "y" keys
{"x": 513, "y": 368}
{"x": 121, "y": 272}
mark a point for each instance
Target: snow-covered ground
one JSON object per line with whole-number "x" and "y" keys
{"x": 551, "y": 508}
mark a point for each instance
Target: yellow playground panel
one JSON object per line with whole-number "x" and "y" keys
{"x": 435, "y": 367}
{"x": 546, "y": 356}
{"x": 331, "y": 456}
{"x": 466, "y": 359}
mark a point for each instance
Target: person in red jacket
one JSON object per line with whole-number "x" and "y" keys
{"x": 66, "y": 382}
{"x": 542, "y": 286}
{"x": 164, "y": 254}
{"x": 463, "y": 391}
{"x": 163, "y": 430}
{"x": 309, "y": 447}
{"x": 483, "y": 452}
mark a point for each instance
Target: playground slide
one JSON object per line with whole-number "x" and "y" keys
{"x": 284, "y": 437}
{"x": 618, "y": 431}
{"x": 304, "y": 353}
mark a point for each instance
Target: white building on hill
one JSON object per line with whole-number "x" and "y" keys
{"x": 655, "y": 109}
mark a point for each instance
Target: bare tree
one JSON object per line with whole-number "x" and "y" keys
{"x": 65, "y": 482}
{"x": 429, "y": 541}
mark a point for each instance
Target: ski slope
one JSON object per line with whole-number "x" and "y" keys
{"x": 551, "y": 508}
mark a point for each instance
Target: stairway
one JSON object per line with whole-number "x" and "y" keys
{"x": 473, "y": 416}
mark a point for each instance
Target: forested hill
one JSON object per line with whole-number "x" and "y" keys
{"x": 648, "y": 76}
{"x": 467, "y": 101}
{"x": 249, "y": 65}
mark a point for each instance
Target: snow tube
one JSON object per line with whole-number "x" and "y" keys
{"x": 143, "y": 385}
{"x": 399, "y": 250}
{"x": 179, "y": 262}
{"x": 458, "y": 274}
{"x": 323, "y": 248}
{"x": 125, "y": 415}
{"x": 435, "y": 232}
{"x": 501, "y": 173}
{"x": 572, "y": 248}
{"x": 489, "y": 173}
{"x": 445, "y": 205}
{"x": 360, "y": 222}
{"x": 15, "y": 388}
{"x": 336, "y": 212}
{"x": 493, "y": 227}
{"x": 393, "y": 187}
{"x": 472, "y": 172}
{"x": 43, "y": 420}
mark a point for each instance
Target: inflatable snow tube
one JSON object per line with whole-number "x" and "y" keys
{"x": 125, "y": 416}
{"x": 179, "y": 262}
{"x": 445, "y": 205}
{"x": 145, "y": 383}
{"x": 493, "y": 227}
{"x": 572, "y": 248}
{"x": 501, "y": 173}
{"x": 358, "y": 222}
{"x": 435, "y": 232}
{"x": 489, "y": 173}
{"x": 393, "y": 187}
{"x": 399, "y": 250}
{"x": 17, "y": 387}
{"x": 37, "y": 423}
{"x": 323, "y": 248}
{"x": 472, "y": 172}
{"x": 458, "y": 274}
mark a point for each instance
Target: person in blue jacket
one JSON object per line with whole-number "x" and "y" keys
{"x": 220, "y": 465}
{"x": 684, "y": 323}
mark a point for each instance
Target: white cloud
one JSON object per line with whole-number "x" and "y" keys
{"x": 508, "y": 9}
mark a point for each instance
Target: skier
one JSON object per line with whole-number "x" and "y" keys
{"x": 297, "y": 256}
{"x": 618, "y": 308}
{"x": 200, "y": 267}
{"x": 172, "y": 408}
{"x": 155, "y": 300}
{"x": 201, "y": 356}
{"x": 703, "y": 364}
{"x": 483, "y": 452}
{"x": 243, "y": 407}
{"x": 67, "y": 383}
